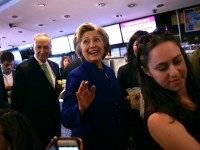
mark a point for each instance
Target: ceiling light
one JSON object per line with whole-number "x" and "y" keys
{"x": 131, "y": 5}
{"x": 67, "y": 16}
{"x": 14, "y": 16}
{"x": 40, "y": 25}
{"x": 101, "y": 4}
{"x": 119, "y": 16}
{"x": 11, "y": 45}
{"x": 41, "y": 5}
{"x": 160, "y": 5}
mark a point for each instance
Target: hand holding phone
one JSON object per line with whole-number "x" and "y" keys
{"x": 65, "y": 143}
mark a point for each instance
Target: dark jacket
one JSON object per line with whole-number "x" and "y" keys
{"x": 35, "y": 97}
{"x": 127, "y": 76}
{"x": 3, "y": 93}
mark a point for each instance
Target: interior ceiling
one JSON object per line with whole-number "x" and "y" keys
{"x": 29, "y": 16}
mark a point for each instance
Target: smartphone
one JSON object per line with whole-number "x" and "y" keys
{"x": 65, "y": 143}
{"x": 68, "y": 144}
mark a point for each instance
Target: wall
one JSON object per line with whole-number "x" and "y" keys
{"x": 178, "y": 27}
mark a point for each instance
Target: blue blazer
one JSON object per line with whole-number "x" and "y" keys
{"x": 101, "y": 125}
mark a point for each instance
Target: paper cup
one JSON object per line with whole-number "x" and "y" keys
{"x": 136, "y": 99}
{"x": 134, "y": 96}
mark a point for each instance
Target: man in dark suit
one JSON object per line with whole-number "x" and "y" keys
{"x": 7, "y": 74}
{"x": 35, "y": 92}
{"x": 3, "y": 94}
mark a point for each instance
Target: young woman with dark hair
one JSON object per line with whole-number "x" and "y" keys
{"x": 170, "y": 91}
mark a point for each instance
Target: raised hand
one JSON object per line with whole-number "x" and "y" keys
{"x": 85, "y": 95}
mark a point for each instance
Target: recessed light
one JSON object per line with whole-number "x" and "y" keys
{"x": 11, "y": 45}
{"x": 119, "y": 16}
{"x": 14, "y": 16}
{"x": 41, "y": 5}
{"x": 101, "y": 4}
{"x": 40, "y": 25}
{"x": 67, "y": 16}
{"x": 131, "y": 5}
{"x": 160, "y": 5}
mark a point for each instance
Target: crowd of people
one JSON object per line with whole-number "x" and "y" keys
{"x": 96, "y": 106}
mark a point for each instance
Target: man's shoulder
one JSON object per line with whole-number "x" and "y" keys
{"x": 27, "y": 64}
{"x": 53, "y": 63}
{"x": 24, "y": 63}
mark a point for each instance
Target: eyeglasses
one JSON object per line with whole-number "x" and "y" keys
{"x": 45, "y": 47}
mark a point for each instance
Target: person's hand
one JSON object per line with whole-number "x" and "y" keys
{"x": 85, "y": 95}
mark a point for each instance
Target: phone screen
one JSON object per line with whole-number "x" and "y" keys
{"x": 68, "y": 148}
{"x": 68, "y": 144}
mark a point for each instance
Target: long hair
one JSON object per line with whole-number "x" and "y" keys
{"x": 130, "y": 55}
{"x": 62, "y": 61}
{"x": 17, "y": 131}
{"x": 158, "y": 99}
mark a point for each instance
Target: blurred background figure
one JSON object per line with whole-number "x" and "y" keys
{"x": 195, "y": 61}
{"x": 127, "y": 76}
{"x": 75, "y": 63}
{"x": 65, "y": 61}
{"x": 161, "y": 30}
{"x": 35, "y": 90}
{"x": 16, "y": 133}
{"x": 7, "y": 67}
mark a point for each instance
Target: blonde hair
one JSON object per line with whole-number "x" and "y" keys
{"x": 85, "y": 27}
{"x": 41, "y": 34}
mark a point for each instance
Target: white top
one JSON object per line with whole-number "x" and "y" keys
{"x": 8, "y": 79}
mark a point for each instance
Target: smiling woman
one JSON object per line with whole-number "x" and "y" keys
{"x": 93, "y": 104}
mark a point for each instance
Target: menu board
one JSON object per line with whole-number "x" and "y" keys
{"x": 129, "y": 28}
{"x": 114, "y": 33}
{"x": 60, "y": 45}
{"x": 17, "y": 56}
{"x": 71, "y": 43}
